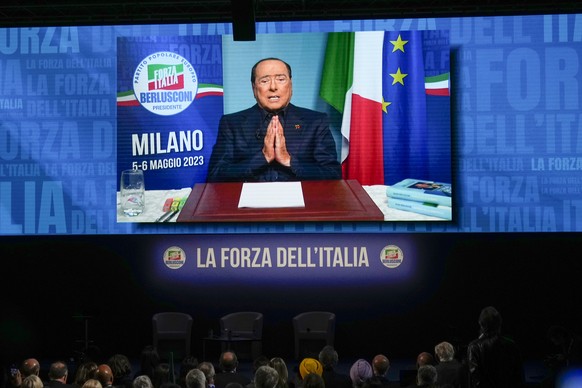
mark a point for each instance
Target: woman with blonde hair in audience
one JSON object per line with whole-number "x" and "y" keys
{"x": 32, "y": 381}
{"x": 92, "y": 383}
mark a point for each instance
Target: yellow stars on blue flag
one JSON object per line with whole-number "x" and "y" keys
{"x": 385, "y": 105}
{"x": 398, "y": 77}
{"x": 398, "y": 44}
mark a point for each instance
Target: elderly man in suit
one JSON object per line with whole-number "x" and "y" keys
{"x": 273, "y": 140}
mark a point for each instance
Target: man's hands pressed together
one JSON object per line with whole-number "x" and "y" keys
{"x": 274, "y": 147}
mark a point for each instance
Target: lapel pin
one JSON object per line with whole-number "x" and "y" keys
{"x": 297, "y": 126}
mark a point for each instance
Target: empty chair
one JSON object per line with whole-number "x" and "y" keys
{"x": 172, "y": 333}
{"x": 243, "y": 327}
{"x": 313, "y": 330}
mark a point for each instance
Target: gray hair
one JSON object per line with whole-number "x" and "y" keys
{"x": 266, "y": 377}
{"x": 195, "y": 379}
{"x": 142, "y": 381}
{"x": 444, "y": 351}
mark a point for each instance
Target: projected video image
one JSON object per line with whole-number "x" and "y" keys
{"x": 259, "y": 133}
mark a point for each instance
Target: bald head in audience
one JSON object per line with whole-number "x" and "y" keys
{"x": 380, "y": 365}
{"x": 105, "y": 375}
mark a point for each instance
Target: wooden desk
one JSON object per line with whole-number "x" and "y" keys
{"x": 328, "y": 200}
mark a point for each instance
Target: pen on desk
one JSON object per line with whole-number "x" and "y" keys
{"x": 167, "y": 209}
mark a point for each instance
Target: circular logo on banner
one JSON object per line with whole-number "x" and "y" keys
{"x": 391, "y": 256}
{"x": 165, "y": 83}
{"x": 174, "y": 257}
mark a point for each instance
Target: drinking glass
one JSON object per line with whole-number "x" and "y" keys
{"x": 132, "y": 192}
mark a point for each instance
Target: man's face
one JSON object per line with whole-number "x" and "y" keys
{"x": 272, "y": 87}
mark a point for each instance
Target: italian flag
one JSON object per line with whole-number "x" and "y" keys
{"x": 352, "y": 83}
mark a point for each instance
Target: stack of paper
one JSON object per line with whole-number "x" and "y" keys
{"x": 421, "y": 196}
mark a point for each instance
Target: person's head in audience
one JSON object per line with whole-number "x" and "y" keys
{"x": 444, "y": 352}
{"x": 85, "y": 371}
{"x": 313, "y": 380}
{"x": 427, "y": 375}
{"x": 259, "y": 362}
{"x": 424, "y": 358}
{"x": 490, "y": 321}
{"x": 58, "y": 371}
{"x": 142, "y": 381}
{"x": 360, "y": 371}
{"x": 228, "y": 362}
{"x": 279, "y": 365}
{"x": 380, "y": 365}
{"x": 266, "y": 377}
{"x": 149, "y": 359}
{"x": 195, "y": 379}
{"x": 30, "y": 367}
{"x": 328, "y": 357}
{"x": 310, "y": 365}
{"x": 92, "y": 383}
{"x": 208, "y": 369}
{"x": 161, "y": 375}
{"x": 187, "y": 364}
{"x": 105, "y": 375}
{"x": 32, "y": 381}
{"x": 120, "y": 367}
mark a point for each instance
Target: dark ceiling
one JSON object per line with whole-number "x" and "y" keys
{"x": 25, "y": 13}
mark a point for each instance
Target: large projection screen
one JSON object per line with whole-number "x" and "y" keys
{"x": 514, "y": 144}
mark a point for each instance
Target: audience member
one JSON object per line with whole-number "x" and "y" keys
{"x": 92, "y": 383}
{"x": 494, "y": 361}
{"x": 313, "y": 380}
{"x": 162, "y": 375}
{"x": 424, "y": 358}
{"x": 266, "y": 377}
{"x": 85, "y": 371}
{"x": 228, "y": 363}
{"x": 279, "y": 365}
{"x": 121, "y": 369}
{"x": 449, "y": 370}
{"x": 309, "y": 365}
{"x": 208, "y": 369}
{"x": 195, "y": 379}
{"x": 149, "y": 360}
{"x": 32, "y": 381}
{"x": 426, "y": 376}
{"x": 380, "y": 367}
{"x": 105, "y": 375}
{"x": 142, "y": 381}
{"x": 257, "y": 363}
{"x": 187, "y": 364}
{"x": 58, "y": 375}
{"x": 29, "y": 367}
{"x": 329, "y": 358}
{"x": 360, "y": 371}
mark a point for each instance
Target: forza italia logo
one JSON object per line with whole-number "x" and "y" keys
{"x": 165, "y": 83}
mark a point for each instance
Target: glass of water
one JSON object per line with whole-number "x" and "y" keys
{"x": 132, "y": 192}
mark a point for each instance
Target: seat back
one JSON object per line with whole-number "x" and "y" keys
{"x": 314, "y": 321}
{"x": 172, "y": 334}
{"x": 171, "y": 322}
{"x": 311, "y": 330}
{"x": 248, "y": 324}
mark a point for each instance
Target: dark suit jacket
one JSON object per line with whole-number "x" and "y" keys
{"x": 237, "y": 155}
{"x": 222, "y": 379}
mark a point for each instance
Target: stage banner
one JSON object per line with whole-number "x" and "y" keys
{"x": 169, "y": 103}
